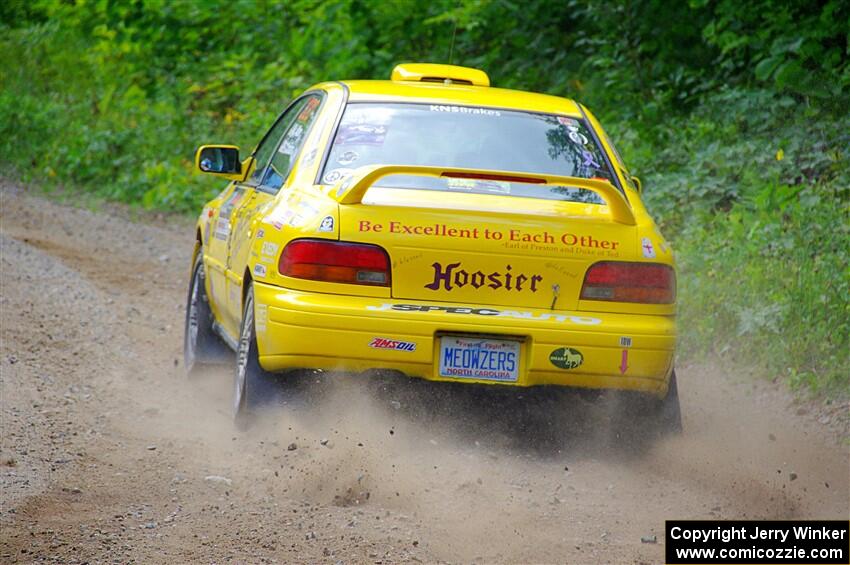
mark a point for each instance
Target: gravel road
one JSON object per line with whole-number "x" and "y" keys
{"x": 108, "y": 454}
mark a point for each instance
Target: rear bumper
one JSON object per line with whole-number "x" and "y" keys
{"x": 298, "y": 329}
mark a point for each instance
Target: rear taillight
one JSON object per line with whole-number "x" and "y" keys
{"x": 650, "y": 283}
{"x": 334, "y": 261}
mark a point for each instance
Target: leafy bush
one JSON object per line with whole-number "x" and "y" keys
{"x": 754, "y": 189}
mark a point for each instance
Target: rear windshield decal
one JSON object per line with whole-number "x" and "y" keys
{"x": 361, "y": 134}
{"x": 336, "y": 175}
{"x": 464, "y": 110}
{"x": 347, "y": 158}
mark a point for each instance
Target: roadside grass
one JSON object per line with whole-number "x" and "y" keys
{"x": 753, "y": 191}
{"x": 751, "y": 295}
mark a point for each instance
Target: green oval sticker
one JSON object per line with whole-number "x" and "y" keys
{"x": 566, "y": 358}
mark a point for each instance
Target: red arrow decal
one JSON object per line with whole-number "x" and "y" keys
{"x": 624, "y": 361}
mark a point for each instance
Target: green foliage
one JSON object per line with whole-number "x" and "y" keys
{"x": 768, "y": 282}
{"x": 797, "y": 45}
{"x": 754, "y": 188}
{"x": 735, "y": 115}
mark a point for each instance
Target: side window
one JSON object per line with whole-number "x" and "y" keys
{"x": 264, "y": 152}
{"x": 284, "y": 158}
{"x": 616, "y": 153}
{"x": 620, "y": 161}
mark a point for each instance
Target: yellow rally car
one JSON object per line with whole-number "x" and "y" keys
{"x": 439, "y": 227}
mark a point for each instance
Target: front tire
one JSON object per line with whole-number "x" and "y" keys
{"x": 201, "y": 346}
{"x": 253, "y": 386}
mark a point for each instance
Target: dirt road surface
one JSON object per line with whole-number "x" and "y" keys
{"x": 109, "y": 454}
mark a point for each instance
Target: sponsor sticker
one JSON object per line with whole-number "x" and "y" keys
{"x": 500, "y": 187}
{"x": 361, "y": 134}
{"x": 395, "y": 344}
{"x": 465, "y": 310}
{"x": 280, "y": 217}
{"x": 577, "y": 137}
{"x": 588, "y": 160}
{"x": 327, "y": 224}
{"x": 261, "y": 233}
{"x": 464, "y": 110}
{"x": 269, "y": 248}
{"x": 347, "y": 158}
{"x": 625, "y": 341}
{"x": 292, "y": 139}
{"x": 454, "y": 276}
{"x": 260, "y": 317}
{"x": 336, "y": 175}
{"x": 563, "y": 120}
{"x": 647, "y": 248}
{"x": 460, "y": 184}
{"x": 307, "y": 111}
{"x": 260, "y": 270}
{"x": 566, "y": 358}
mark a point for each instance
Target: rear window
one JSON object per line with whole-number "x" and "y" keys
{"x": 468, "y": 137}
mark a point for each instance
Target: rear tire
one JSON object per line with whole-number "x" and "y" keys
{"x": 668, "y": 417}
{"x": 641, "y": 418}
{"x": 253, "y": 386}
{"x": 201, "y": 346}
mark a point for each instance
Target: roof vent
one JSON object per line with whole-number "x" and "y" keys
{"x": 446, "y": 74}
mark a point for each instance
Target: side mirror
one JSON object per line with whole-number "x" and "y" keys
{"x": 638, "y": 184}
{"x": 219, "y": 160}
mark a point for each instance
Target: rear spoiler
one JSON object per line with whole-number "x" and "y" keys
{"x": 352, "y": 189}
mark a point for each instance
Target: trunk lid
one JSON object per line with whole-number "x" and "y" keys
{"x": 486, "y": 249}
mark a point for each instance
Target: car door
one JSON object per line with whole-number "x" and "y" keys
{"x": 296, "y": 123}
{"x": 215, "y": 252}
{"x": 218, "y": 245}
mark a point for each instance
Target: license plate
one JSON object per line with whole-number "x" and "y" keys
{"x": 482, "y": 359}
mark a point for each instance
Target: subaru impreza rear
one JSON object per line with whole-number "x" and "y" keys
{"x": 484, "y": 236}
